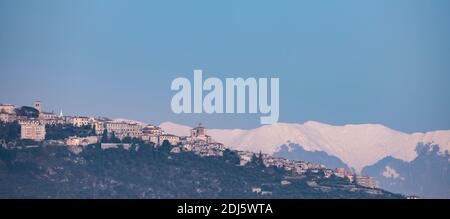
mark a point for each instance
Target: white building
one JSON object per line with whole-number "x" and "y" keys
{"x": 173, "y": 139}
{"x": 7, "y": 112}
{"x": 7, "y": 108}
{"x": 198, "y": 134}
{"x": 51, "y": 118}
{"x": 244, "y": 157}
{"x": 7, "y": 117}
{"x": 79, "y": 121}
{"x": 201, "y": 143}
{"x": 38, "y": 106}
{"x": 78, "y": 141}
{"x": 124, "y": 129}
{"x": 32, "y": 129}
{"x": 151, "y": 133}
{"x": 366, "y": 181}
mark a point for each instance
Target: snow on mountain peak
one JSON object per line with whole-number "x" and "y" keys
{"x": 358, "y": 145}
{"x": 129, "y": 121}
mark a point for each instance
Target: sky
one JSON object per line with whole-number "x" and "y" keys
{"x": 338, "y": 62}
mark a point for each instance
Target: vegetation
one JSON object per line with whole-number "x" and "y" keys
{"x": 9, "y": 131}
{"x": 27, "y": 111}
{"x": 147, "y": 172}
{"x": 59, "y": 131}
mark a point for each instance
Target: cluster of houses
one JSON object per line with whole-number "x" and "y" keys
{"x": 35, "y": 129}
{"x": 198, "y": 141}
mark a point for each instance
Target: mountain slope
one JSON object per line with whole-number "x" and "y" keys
{"x": 143, "y": 171}
{"x": 356, "y": 145}
{"x": 428, "y": 175}
{"x": 296, "y": 152}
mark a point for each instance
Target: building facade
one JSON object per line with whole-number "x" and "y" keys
{"x": 32, "y": 129}
{"x": 198, "y": 134}
{"x": 124, "y": 129}
{"x": 78, "y": 141}
{"x": 79, "y": 121}
{"x": 7, "y": 113}
{"x": 151, "y": 133}
{"x": 173, "y": 139}
{"x": 7, "y": 108}
{"x": 38, "y": 106}
{"x": 366, "y": 181}
{"x": 7, "y": 117}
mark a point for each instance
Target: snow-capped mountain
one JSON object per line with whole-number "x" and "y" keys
{"x": 356, "y": 145}
{"x": 129, "y": 121}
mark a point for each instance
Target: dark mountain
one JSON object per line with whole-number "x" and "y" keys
{"x": 296, "y": 152}
{"x": 427, "y": 176}
{"x": 146, "y": 172}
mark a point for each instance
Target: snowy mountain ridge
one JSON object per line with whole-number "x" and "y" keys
{"x": 357, "y": 145}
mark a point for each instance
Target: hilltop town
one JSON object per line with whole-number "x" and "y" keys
{"x": 36, "y": 126}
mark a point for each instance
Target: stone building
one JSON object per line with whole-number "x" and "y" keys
{"x": 366, "y": 181}
{"x": 173, "y": 139}
{"x": 7, "y": 112}
{"x": 79, "y": 121}
{"x": 198, "y": 134}
{"x": 124, "y": 129}
{"x": 38, "y": 106}
{"x": 32, "y": 129}
{"x": 78, "y": 141}
{"x": 7, "y": 108}
{"x": 151, "y": 133}
{"x": 7, "y": 117}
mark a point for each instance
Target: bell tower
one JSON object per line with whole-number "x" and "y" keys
{"x": 38, "y": 106}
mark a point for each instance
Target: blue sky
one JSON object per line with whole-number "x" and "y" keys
{"x": 339, "y": 62}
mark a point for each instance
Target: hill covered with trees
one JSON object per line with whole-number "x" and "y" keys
{"x": 143, "y": 171}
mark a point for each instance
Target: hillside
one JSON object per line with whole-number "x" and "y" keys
{"x": 428, "y": 175}
{"x": 146, "y": 172}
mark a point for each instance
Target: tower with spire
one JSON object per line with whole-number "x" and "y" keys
{"x": 199, "y": 134}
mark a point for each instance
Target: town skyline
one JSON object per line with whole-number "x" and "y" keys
{"x": 360, "y": 63}
{"x": 70, "y": 113}
{"x": 39, "y": 128}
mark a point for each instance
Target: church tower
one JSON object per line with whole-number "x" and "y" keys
{"x": 38, "y": 106}
{"x": 198, "y": 131}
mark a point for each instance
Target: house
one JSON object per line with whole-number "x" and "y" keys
{"x": 175, "y": 150}
{"x": 7, "y": 108}
{"x": 151, "y": 133}
{"x": 7, "y": 117}
{"x": 99, "y": 127}
{"x": 7, "y": 112}
{"x": 244, "y": 157}
{"x": 256, "y": 189}
{"x": 344, "y": 173}
{"x": 114, "y": 145}
{"x": 32, "y": 129}
{"x": 285, "y": 183}
{"x": 216, "y": 145}
{"x": 173, "y": 139}
{"x": 100, "y": 124}
{"x": 198, "y": 134}
{"x": 124, "y": 129}
{"x": 78, "y": 141}
{"x": 79, "y": 121}
{"x": 51, "y": 118}
{"x": 366, "y": 181}
{"x": 267, "y": 193}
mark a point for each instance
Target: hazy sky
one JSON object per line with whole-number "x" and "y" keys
{"x": 339, "y": 62}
